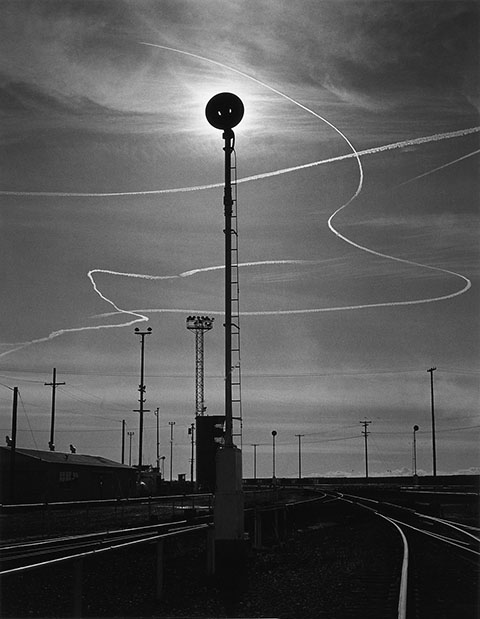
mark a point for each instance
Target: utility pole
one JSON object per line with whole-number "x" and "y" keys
{"x": 123, "y": 441}
{"x": 191, "y": 431}
{"x": 171, "y": 424}
{"x": 141, "y": 389}
{"x": 365, "y": 434}
{"x": 130, "y": 434}
{"x": 299, "y": 455}
{"x": 434, "y": 451}
{"x": 53, "y": 385}
{"x": 255, "y": 445}
{"x": 157, "y": 415}
{"x": 13, "y": 444}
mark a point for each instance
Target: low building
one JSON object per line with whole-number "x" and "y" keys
{"x": 34, "y": 476}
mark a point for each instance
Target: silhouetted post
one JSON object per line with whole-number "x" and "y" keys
{"x": 53, "y": 385}
{"x": 274, "y": 434}
{"x": 141, "y": 389}
{"x": 191, "y": 431}
{"x": 171, "y": 424}
{"x": 123, "y": 441}
{"x": 255, "y": 445}
{"x": 13, "y": 444}
{"x": 130, "y": 434}
{"x": 434, "y": 451}
{"x": 299, "y": 455}
{"x": 157, "y": 415}
{"x": 365, "y": 434}
{"x": 415, "y": 430}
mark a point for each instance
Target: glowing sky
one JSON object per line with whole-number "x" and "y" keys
{"x": 358, "y": 219}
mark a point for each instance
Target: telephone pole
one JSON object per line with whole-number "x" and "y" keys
{"x": 141, "y": 389}
{"x": 53, "y": 385}
{"x": 365, "y": 434}
{"x": 434, "y": 451}
{"x": 299, "y": 455}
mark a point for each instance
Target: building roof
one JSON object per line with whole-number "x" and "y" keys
{"x": 57, "y": 457}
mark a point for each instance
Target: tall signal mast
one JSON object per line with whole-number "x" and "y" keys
{"x": 199, "y": 324}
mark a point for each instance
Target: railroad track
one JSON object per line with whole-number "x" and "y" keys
{"x": 441, "y": 563}
{"x": 21, "y": 555}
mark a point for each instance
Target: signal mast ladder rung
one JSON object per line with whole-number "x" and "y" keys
{"x": 235, "y": 306}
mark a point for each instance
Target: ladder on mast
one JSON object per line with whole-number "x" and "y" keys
{"x": 236, "y": 374}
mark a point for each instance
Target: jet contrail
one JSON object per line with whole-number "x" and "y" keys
{"x": 256, "y": 177}
{"x": 139, "y": 315}
{"x": 445, "y": 165}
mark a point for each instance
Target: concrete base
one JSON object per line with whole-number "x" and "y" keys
{"x": 229, "y": 505}
{"x": 230, "y": 570}
{"x": 230, "y": 545}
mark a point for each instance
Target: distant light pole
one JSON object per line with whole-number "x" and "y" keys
{"x": 157, "y": 415}
{"x": 434, "y": 451}
{"x": 130, "y": 434}
{"x": 299, "y": 455}
{"x": 162, "y": 460}
{"x": 255, "y": 445}
{"x": 415, "y": 430}
{"x": 123, "y": 440}
{"x": 274, "y": 434}
{"x": 141, "y": 389}
{"x": 171, "y": 424}
{"x": 13, "y": 443}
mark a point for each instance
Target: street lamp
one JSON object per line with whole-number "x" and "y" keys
{"x": 274, "y": 434}
{"x": 162, "y": 460}
{"x": 415, "y": 430}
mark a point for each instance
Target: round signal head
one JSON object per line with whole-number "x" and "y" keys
{"x": 224, "y": 110}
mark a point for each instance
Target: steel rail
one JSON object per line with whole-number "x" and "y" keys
{"x": 403, "y": 589}
{"x": 98, "y": 551}
{"x": 402, "y": 598}
{"x": 438, "y": 537}
{"x": 86, "y": 536}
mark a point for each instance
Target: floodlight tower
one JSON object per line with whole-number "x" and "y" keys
{"x": 199, "y": 324}
{"x": 224, "y": 111}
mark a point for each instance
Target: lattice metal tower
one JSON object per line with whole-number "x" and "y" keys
{"x": 199, "y": 324}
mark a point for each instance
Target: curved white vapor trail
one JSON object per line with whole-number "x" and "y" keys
{"x": 256, "y": 177}
{"x": 139, "y": 315}
{"x": 441, "y": 167}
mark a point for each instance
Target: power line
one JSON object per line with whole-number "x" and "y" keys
{"x": 260, "y": 375}
{"x": 28, "y": 420}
